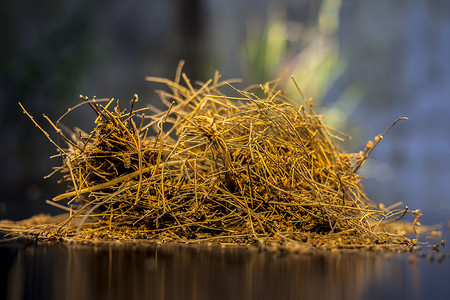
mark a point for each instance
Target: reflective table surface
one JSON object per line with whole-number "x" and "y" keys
{"x": 37, "y": 270}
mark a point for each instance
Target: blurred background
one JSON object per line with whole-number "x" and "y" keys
{"x": 364, "y": 63}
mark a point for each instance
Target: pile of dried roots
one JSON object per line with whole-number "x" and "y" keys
{"x": 216, "y": 168}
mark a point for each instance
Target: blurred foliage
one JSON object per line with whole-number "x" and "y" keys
{"x": 307, "y": 51}
{"x": 265, "y": 50}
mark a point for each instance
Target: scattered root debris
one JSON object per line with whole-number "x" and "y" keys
{"x": 219, "y": 165}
